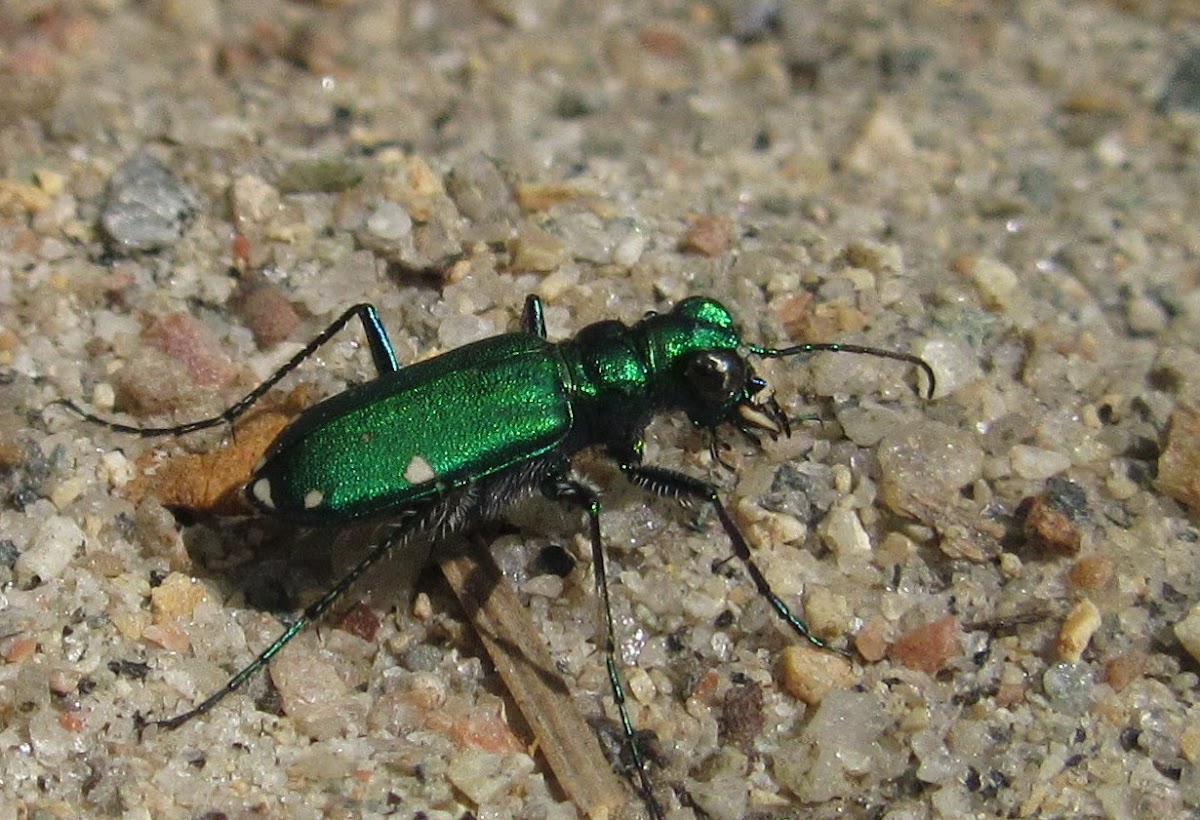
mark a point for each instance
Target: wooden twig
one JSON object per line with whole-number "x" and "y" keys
{"x": 518, "y": 651}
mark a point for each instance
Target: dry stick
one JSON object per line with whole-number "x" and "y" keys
{"x": 519, "y": 653}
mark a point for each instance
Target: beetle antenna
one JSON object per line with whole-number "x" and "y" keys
{"x": 838, "y": 347}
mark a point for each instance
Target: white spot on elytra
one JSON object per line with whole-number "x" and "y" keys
{"x": 313, "y": 499}
{"x": 261, "y": 490}
{"x": 418, "y": 471}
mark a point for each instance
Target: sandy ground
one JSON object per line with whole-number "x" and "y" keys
{"x": 190, "y": 191}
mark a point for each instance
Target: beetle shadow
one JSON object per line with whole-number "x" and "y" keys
{"x": 288, "y": 567}
{"x": 486, "y": 598}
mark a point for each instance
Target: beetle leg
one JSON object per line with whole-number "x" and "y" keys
{"x": 312, "y": 612}
{"x": 574, "y": 493}
{"x": 382, "y": 355}
{"x": 533, "y": 319}
{"x": 672, "y": 484}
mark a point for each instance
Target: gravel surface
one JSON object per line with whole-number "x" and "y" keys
{"x": 190, "y": 191}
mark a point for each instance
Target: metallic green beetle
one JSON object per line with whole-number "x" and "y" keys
{"x": 453, "y": 440}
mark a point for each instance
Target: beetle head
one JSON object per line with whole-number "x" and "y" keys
{"x": 718, "y": 381}
{"x": 722, "y": 386}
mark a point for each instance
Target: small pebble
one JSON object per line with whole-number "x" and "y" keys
{"x": 535, "y": 196}
{"x": 1069, "y": 686}
{"x": 1049, "y": 529}
{"x": 168, "y": 636}
{"x": 709, "y": 235}
{"x": 321, "y": 174}
{"x": 176, "y": 597}
{"x": 928, "y": 647}
{"x": 63, "y": 681}
{"x": 18, "y": 648}
{"x": 486, "y": 728}
{"x": 837, "y": 747}
{"x": 8, "y": 553}
{"x": 1179, "y": 464}
{"x": 883, "y": 141}
{"x": 547, "y": 586}
{"x": 479, "y": 190}
{"x": 423, "y": 193}
{"x": 809, "y": 674}
{"x": 116, "y": 468}
{"x": 313, "y": 693}
{"x": 390, "y": 222}
{"x": 1188, "y": 632}
{"x": 1189, "y": 742}
{"x": 741, "y": 718}
{"x": 726, "y": 795}
{"x": 871, "y": 640}
{"x": 21, "y": 198}
{"x": 360, "y": 621}
{"x": 828, "y": 614}
{"x": 924, "y": 463}
{"x": 1010, "y": 564}
{"x": 1183, "y": 88}
{"x": 1125, "y": 668}
{"x": 484, "y": 776}
{"x": 331, "y": 763}
{"x": 954, "y": 366}
{"x": 146, "y": 208}
{"x": 536, "y": 250}
{"x": 422, "y": 658}
{"x": 996, "y": 282}
{"x": 641, "y": 685}
{"x": 268, "y": 313}
{"x": 842, "y": 531}
{"x": 422, "y": 607}
{"x": 876, "y": 257}
{"x": 1120, "y": 487}
{"x": 1035, "y": 463}
{"x": 629, "y": 249}
{"x": 1146, "y": 316}
{"x": 1077, "y": 630}
{"x": 67, "y": 491}
{"x": 104, "y": 564}
{"x": 254, "y": 201}
{"x": 1091, "y": 573}
{"x": 52, "y": 548}
{"x": 189, "y": 341}
{"x": 1010, "y": 694}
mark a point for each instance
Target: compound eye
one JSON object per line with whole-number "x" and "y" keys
{"x": 715, "y": 376}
